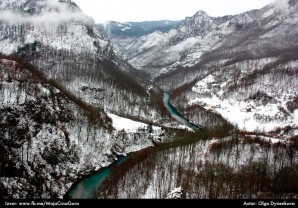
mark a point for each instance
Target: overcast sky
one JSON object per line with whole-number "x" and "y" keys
{"x": 144, "y": 10}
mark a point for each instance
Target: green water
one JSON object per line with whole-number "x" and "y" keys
{"x": 87, "y": 187}
{"x": 175, "y": 114}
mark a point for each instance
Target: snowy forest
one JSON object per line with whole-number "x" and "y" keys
{"x": 79, "y": 104}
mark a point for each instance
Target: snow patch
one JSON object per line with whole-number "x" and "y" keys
{"x": 185, "y": 45}
{"x": 176, "y": 193}
{"x": 126, "y": 124}
{"x": 268, "y": 13}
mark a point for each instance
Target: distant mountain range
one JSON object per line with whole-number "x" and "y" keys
{"x": 242, "y": 60}
{"x": 136, "y": 29}
{"x": 185, "y": 43}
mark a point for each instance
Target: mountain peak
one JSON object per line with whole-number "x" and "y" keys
{"x": 201, "y": 13}
{"x": 197, "y": 25}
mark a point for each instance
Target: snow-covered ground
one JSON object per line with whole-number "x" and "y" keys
{"x": 141, "y": 134}
{"x": 248, "y": 114}
{"x": 121, "y": 123}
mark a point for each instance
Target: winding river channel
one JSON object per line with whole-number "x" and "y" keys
{"x": 87, "y": 187}
{"x": 175, "y": 114}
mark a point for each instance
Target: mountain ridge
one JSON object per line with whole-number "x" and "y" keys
{"x": 196, "y": 35}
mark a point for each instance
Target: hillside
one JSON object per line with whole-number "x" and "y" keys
{"x": 50, "y": 137}
{"x": 70, "y": 49}
{"x": 62, "y": 88}
{"x": 250, "y": 78}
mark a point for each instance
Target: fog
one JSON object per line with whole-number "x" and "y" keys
{"x": 282, "y": 5}
{"x": 51, "y": 14}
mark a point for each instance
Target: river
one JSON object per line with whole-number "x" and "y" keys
{"x": 88, "y": 187}
{"x": 175, "y": 114}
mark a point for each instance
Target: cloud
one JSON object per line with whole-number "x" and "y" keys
{"x": 52, "y": 14}
{"x": 282, "y": 5}
{"x": 107, "y": 27}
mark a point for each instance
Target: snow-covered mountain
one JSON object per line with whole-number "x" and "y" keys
{"x": 58, "y": 24}
{"x": 70, "y": 103}
{"x": 161, "y": 52}
{"x": 250, "y": 77}
{"x": 47, "y": 22}
{"x": 62, "y": 41}
{"x": 50, "y": 137}
{"x": 243, "y": 67}
{"x": 245, "y": 64}
{"x": 65, "y": 99}
{"x": 122, "y": 34}
{"x": 135, "y": 29}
